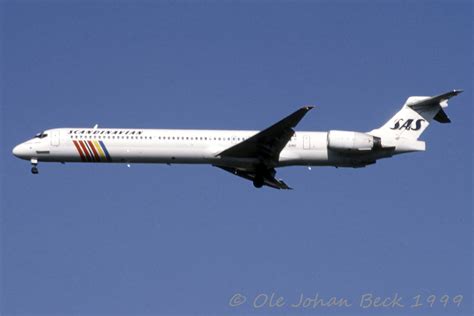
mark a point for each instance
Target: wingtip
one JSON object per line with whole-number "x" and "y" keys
{"x": 307, "y": 107}
{"x": 458, "y": 91}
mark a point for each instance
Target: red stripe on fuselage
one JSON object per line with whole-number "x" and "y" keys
{"x": 78, "y": 147}
{"x": 84, "y": 148}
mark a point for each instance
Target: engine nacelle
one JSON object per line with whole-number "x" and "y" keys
{"x": 352, "y": 141}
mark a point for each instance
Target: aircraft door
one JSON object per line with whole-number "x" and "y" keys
{"x": 306, "y": 142}
{"x": 55, "y": 137}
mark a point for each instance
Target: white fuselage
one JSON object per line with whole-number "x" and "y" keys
{"x": 178, "y": 146}
{"x": 252, "y": 155}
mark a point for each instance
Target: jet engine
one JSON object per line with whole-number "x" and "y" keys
{"x": 352, "y": 141}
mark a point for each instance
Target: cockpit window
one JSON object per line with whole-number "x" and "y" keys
{"x": 41, "y": 135}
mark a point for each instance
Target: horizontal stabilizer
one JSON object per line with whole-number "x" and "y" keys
{"x": 418, "y": 103}
{"x": 441, "y": 117}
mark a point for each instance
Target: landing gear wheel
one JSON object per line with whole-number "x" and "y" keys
{"x": 258, "y": 181}
{"x": 34, "y": 165}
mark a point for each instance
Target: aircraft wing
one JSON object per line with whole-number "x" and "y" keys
{"x": 265, "y": 148}
{"x": 267, "y": 144}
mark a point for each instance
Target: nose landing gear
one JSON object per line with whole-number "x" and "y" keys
{"x": 34, "y": 165}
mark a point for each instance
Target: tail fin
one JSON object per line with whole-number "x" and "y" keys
{"x": 414, "y": 117}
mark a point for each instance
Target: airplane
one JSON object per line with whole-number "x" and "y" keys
{"x": 253, "y": 155}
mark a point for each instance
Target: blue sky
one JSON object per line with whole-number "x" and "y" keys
{"x": 89, "y": 239}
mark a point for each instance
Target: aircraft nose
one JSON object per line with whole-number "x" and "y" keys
{"x": 20, "y": 151}
{"x": 17, "y": 150}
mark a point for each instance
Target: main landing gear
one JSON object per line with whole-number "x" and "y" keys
{"x": 34, "y": 165}
{"x": 261, "y": 174}
{"x": 258, "y": 180}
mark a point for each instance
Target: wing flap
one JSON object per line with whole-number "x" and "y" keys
{"x": 268, "y": 179}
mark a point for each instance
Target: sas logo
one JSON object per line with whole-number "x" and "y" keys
{"x": 408, "y": 124}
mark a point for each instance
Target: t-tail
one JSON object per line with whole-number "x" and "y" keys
{"x": 404, "y": 128}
